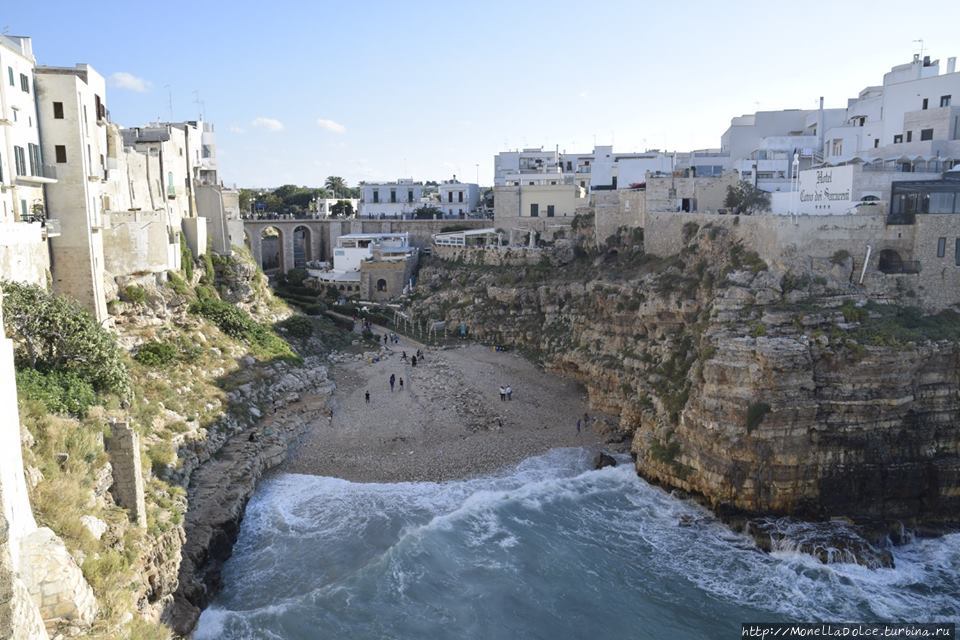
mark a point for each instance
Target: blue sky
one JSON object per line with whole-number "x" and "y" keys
{"x": 379, "y": 90}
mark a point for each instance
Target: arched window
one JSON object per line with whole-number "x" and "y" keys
{"x": 381, "y": 285}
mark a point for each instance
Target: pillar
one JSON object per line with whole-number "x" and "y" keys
{"x": 123, "y": 446}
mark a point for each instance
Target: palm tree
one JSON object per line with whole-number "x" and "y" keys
{"x": 336, "y": 184}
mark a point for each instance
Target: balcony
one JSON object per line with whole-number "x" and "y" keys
{"x": 44, "y": 174}
{"x": 51, "y": 228}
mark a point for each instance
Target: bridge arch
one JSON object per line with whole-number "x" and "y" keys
{"x": 302, "y": 246}
{"x": 271, "y": 250}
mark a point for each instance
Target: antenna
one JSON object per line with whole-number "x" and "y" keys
{"x": 169, "y": 100}
{"x": 200, "y": 104}
{"x": 920, "y": 40}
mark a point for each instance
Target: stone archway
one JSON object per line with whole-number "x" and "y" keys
{"x": 302, "y": 247}
{"x": 381, "y": 285}
{"x": 889, "y": 261}
{"x": 271, "y": 250}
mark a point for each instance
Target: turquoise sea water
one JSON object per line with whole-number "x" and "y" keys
{"x": 549, "y": 549}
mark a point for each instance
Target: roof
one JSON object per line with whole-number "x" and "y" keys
{"x": 375, "y": 236}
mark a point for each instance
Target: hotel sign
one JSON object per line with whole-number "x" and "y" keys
{"x": 826, "y": 191}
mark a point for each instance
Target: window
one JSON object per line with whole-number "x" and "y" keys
{"x": 10, "y": 75}
{"x": 945, "y": 101}
{"x": 1, "y": 173}
{"x": 550, "y": 211}
{"x": 449, "y": 196}
{"x": 60, "y": 151}
{"x": 20, "y": 161}
{"x": 926, "y": 102}
{"x": 534, "y": 210}
{"x": 459, "y": 196}
{"x": 926, "y": 134}
{"x": 409, "y": 195}
{"x": 876, "y": 143}
{"x": 941, "y": 203}
{"x": 909, "y": 136}
{"x": 897, "y": 139}
{"x": 25, "y": 83}
{"x": 941, "y": 247}
{"x": 35, "y": 164}
{"x": 393, "y": 195}
{"x": 837, "y": 147}
{"x": 23, "y": 208}
{"x": 376, "y": 196}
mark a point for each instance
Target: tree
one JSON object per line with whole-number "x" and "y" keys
{"x": 342, "y": 209}
{"x": 337, "y": 185}
{"x": 746, "y": 199}
{"x": 427, "y": 212}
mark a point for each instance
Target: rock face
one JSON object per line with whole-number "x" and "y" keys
{"x": 602, "y": 460}
{"x": 54, "y": 580}
{"x": 762, "y": 388}
{"x": 222, "y": 479}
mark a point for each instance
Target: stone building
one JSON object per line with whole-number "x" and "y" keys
{"x": 73, "y": 118}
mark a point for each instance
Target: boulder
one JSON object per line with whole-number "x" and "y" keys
{"x": 602, "y": 460}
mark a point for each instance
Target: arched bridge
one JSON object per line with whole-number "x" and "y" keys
{"x": 284, "y": 244}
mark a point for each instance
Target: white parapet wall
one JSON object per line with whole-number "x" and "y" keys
{"x": 24, "y": 256}
{"x": 136, "y": 242}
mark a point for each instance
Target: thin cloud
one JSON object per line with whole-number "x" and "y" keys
{"x": 128, "y": 81}
{"x": 331, "y": 125}
{"x": 270, "y": 124}
{"x": 236, "y": 129}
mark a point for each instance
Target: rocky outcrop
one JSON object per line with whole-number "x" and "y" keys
{"x": 763, "y": 389}
{"x": 223, "y": 479}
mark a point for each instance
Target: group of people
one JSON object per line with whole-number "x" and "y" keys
{"x": 391, "y": 338}
{"x": 506, "y": 392}
{"x": 394, "y": 380}
{"x": 413, "y": 359}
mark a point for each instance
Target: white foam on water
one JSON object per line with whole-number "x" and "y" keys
{"x": 626, "y": 531}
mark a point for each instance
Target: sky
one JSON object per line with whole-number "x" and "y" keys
{"x": 373, "y": 91}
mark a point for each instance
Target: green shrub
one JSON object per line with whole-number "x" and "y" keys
{"x": 135, "y": 293}
{"x": 840, "y": 257}
{"x": 178, "y": 284}
{"x": 295, "y": 277}
{"x": 741, "y": 258}
{"x": 186, "y": 258}
{"x": 156, "y": 354}
{"x": 756, "y": 412}
{"x": 237, "y": 323}
{"x": 297, "y": 326}
{"x": 209, "y": 274}
{"x": 689, "y": 230}
{"x": 758, "y": 329}
{"x": 58, "y": 391}
{"x": 52, "y": 333}
{"x": 853, "y": 313}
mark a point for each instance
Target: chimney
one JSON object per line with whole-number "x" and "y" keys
{"x": 951, "y": 65}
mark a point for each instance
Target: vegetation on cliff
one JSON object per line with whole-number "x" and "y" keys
{"x": 168, "y": 368}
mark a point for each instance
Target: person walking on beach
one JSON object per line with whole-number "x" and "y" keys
{"x": 393, "y": 380}
{"x": 401, "y": 384}
{"x": 503, "y": 393}
{"x": 419, "y": 354}
{"x": 579, "y": 422}
{"x": 366, "y": 396}
{"x": 413, "y": 361}
{"x": 509, "y": 392}
{"x": 403, "y": 356}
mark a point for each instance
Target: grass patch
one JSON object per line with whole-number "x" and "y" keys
{"x": 756, "y": 412}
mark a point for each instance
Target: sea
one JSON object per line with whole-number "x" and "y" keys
{"x": 547, "y": 549}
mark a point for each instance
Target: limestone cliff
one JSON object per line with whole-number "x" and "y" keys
{"x": 760, "y": 388}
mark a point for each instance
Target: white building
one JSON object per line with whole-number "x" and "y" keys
{"x": 353, "y": 248}
{"x": 458, "y": 199}
{"x": 390, "y": 199}
{"x": 73, "y": 118}
{"x": 909, "y": 123}
{"x": 762, "y": 145}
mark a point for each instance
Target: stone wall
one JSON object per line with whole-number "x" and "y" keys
{"x": 55, "y": 582}
{"x": 123, "y": 446}
{"x": 801, "y": 241}
{"x": 195, "y": 232}
{"x": 490, "y": 256}
{"x": 137, "y": 242}
{"x": 24, "y": 255}
{"x": 615, "y": 209}
{"x": 19, "y": 617}
{"x": 665, "y": 193}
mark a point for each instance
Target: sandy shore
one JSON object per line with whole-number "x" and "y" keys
{"x": 448, "y": 421}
